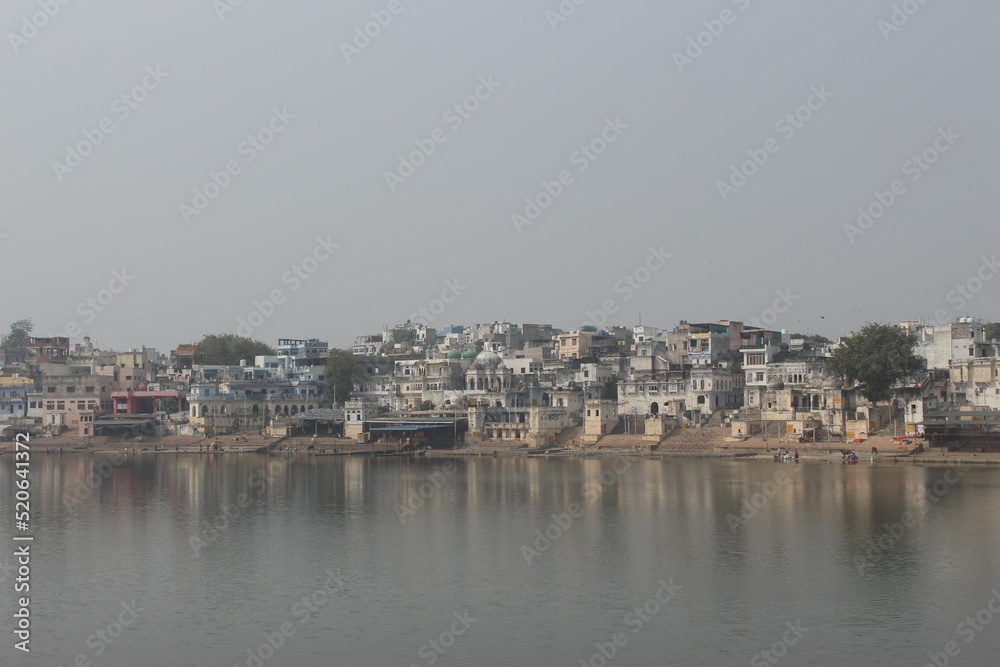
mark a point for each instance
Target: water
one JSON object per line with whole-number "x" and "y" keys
{"x": 395, "y": 553}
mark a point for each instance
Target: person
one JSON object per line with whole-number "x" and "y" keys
{"x": 796, "y": 455}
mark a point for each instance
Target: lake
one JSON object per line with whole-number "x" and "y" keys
{"x": 244, "y": 559}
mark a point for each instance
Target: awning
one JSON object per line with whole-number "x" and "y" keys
{"x": 409, "y": 427}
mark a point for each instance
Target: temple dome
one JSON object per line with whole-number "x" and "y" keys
{"x": 488, "y": 360}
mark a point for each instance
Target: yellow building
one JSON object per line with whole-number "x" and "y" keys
{"x": 14, "y": 381}
{"x": 575, "y": 345}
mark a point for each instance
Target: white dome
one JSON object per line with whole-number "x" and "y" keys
{"x": 488, "y": 360}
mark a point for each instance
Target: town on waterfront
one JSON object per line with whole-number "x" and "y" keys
{"x": 700, "y": 389}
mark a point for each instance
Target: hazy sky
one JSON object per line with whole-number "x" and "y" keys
{"x": 206, "y": 88}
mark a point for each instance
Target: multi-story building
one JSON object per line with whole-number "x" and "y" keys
{"x": 40, "y": 349}
{"x": 14, "y": 399}
{"x": 961, "y": 340}
{"x": 72, "y": 400}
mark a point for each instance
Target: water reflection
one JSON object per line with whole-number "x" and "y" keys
{"x": 878, "y": 562}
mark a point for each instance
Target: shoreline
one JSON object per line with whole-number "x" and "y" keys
{"x": 827, "y": 453}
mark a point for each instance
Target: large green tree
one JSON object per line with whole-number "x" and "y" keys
{"x": 14, "y": 340}
{"x": 813, "y": 337}
{"x": 993, "y": 331}
{"x": 341, "y": 371}
{"x": 880, "y": 356}
{"x": 228, "y": 349}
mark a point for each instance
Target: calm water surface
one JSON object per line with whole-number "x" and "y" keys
{"x": 365, "y": 561}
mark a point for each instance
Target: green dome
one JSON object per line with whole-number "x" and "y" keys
{"x": 454, "y": 354}
{"x": 469, "y": 354}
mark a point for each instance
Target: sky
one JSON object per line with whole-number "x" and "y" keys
{"x": 297, "y": 169}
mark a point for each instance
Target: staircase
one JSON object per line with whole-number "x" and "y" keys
{"x": 569, "y": 436}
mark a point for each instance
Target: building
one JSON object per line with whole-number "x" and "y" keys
{"x": 961, "y": 340}
{"x": 54, "y": 348}
{"x": 71, "y": 401}
{"x": 14, "y": 400}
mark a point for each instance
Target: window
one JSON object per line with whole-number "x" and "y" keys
{"x": 51, "y": 390}
{"x": 89, "y": 390}
{"x": 70, "y": 390}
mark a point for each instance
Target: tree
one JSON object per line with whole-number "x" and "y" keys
{"x": 813, "y": 337}
{"x": 993, "y": 331}
{"x": 403, "y": 335}
{"x": 610, "y": 391}
{"x": 341, "y": 371}
{"x": 15, "y": 339}
{"x": 879, "y": 357}
{"x": 426, "y": 405}
{"x": 588, "y": 328}
{"x": 228, "y": 349}
{"x": 168, "y": 405}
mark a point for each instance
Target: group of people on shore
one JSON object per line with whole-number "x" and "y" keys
{"x": 782, "y": 455}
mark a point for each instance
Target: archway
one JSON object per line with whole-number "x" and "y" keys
{"x": 654, "y": 408}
